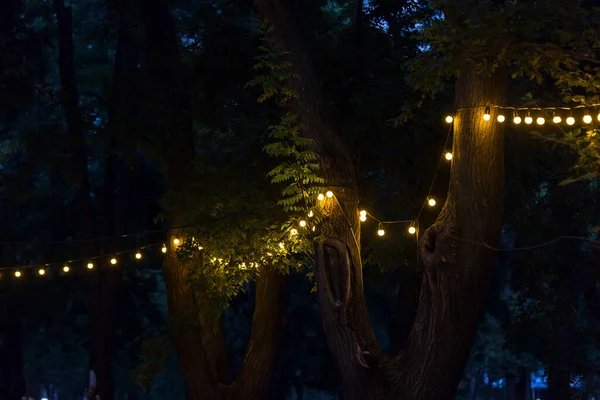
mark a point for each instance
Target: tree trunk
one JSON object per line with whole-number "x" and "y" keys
{"x": 201, "y": 349}
{"x": 456, "y": 262}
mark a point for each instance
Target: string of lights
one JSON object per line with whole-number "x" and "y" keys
{"x": 541, "y": 114}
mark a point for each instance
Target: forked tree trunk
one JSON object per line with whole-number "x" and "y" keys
{"x": 201, "y": 349}
{"x": 456, "y": 262}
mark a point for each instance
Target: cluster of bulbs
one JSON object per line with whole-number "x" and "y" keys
{"x": 540, "y": 119}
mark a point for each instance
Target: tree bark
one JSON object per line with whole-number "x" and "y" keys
{"x": 456, "y": 262}
{"x": 201, "y": 349}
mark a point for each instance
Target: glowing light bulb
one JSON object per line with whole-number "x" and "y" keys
{"x": 570, "y": 121}
{"x": 528, "y": 120}
{"x": 598, "y": 117}
{"x": 540, "y": 120}
{"x": 448, "y": 156}
{"x": 90, "y": 266}
{"x": 587, "y": 119}
{"x": 449, "y": 119}
{"x": 486, "y": 115}
{"x": 302, "y": 223}
{"x": 18, "y": 274}
{"x": 138, "y": 255}
{"x": 363, "y": 218}
{"x": 329, "y": 194}
{"x": 164, "y": 249}
{"x": 176, "y": 241}
{"x": 431, "y": 202}
{"x": 314, "y": 228}
{"x": 113, "y": 261}
{"x": 412, "y": 230}
{"x": 557, "y": 119}
{"x": 381, "y": 232}
{"x": 281, "y": 245}
{"x": 310, "y": 214}
{"x": 363, "y": 212}
{"x": 501, "y": 118}
{"x": 321, "y": 197}
{"x": 66, "y": 268}
{"x": 294, "y": 231}
{"x": 41, "y": 271}
{"x": 517, "y": 120}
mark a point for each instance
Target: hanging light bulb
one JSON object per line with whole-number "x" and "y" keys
{"x": 528, "y": 119}
{"x": 138, "y": 256}
{"x": 314, "y": 228}
{"x": 540, "y": 120}
{"x": 448, "y": 156}
{"x": 310, "y": 214}
{"x": 598, "y": 117}
{"x": 380, "y": 232}
{"x": 302, "y": 223}
{"x": 556, "y": 119}
{"x": 500, "y": 118}
{"x": 321, "y": 197}
{"x": 90, "y": 265}
{"x": 281, "y": 245}
{"x": 41, "y": 271}
{"x": 449, "y": 119}
{"x": 486, "y": 114}
{"x": 294, "y": 231}
{"x": 329, "y": 194}
{"x": 431, "y": 202}
{"x": 363, "y": 212}
{"x": 66, "y": 268}
{"x": 587, "y": 119}
{"x": 363, "y": 218}
{"x": 17, "y": 274}
{"x": 113, "y": 261}
{"x": 517, "y": 120}
{"x": 176, "y": 242}
{"x": 570, "y": 121}
{"x": 412, "y": 230}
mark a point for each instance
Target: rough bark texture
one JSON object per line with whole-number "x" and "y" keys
{"x": 456, "y": 264}
{"x": 201, "y": 349}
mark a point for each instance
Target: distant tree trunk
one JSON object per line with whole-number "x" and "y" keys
{"x": 456, "y": 262}
{"x": 12, "y": 383}
{"x": 523, "y": 388}
{"x": 201, "y": 350}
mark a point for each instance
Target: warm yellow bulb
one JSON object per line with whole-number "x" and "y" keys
{"x": 528, "y": 120}
{"x": 381, "y": 232}
{"x": 176, "y": 242}
{"x": 363, "y": 218}
{"x": 314, "y": 228}
{"x": 598, "y": 117}
{"x": 90, "y": 265}
{"x": 486, "y": 117}
{"x": 281, "y": 245}
{"x": 66, "y": 268}
{"x": 302, "y": 223}
{"x": 587, "y": 119}
{"x": 431, "y": 202}
{"x": 138, "y": 255}
{"x": 448, "y": 156}
{"x": 449, "y": 119}
{"x": 557, "y": 119}
{"x": 412, "y": 230}
{"x": 294, "y": 231}
{"x": 321, "y": 197}
{"x": 517, "y": 120}
{"x": 113, "y": 261}
{"x": 41, "y": 271}
{"x": 501, "y": 118}
{"x": 18, "y": 274}
{"x": 310, "y": 214}
{"x": 363, "y": 212}
{"x": 540, "y": 120}
{"x": 329, "y": 194}
{"x": 570, "y": 121}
